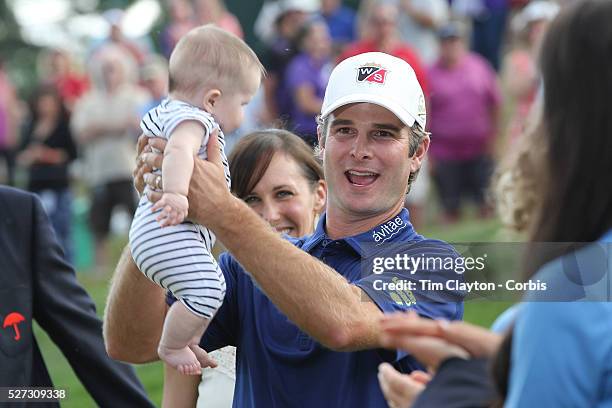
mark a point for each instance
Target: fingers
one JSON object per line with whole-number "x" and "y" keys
{"x": 408, "y": 324}
{"x": 420, "y": 376}
{"x": 154, "y": 196}
{"x": 152, "y": 159}
{"x": 476, "y": 340}
{"x": 158, "y": 143}
{"x": 203, "y": 357}
{"x": 400, "y": 390}
{"x": 142, "y": 142}
{"x": 214, "y": 148}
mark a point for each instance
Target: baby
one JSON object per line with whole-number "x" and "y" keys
{"x": 213, "y": 75}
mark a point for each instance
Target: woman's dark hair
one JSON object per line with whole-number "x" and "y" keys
{"x": 252, "y": 155}
{"x": 47, "y": 90}
{"x": 573, "y": 178}
{"x": 574, "y": 185}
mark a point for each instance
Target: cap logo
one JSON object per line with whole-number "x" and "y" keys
{"x": 371, "y": 73}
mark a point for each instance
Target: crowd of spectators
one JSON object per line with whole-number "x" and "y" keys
{"x": 87, "y": 107}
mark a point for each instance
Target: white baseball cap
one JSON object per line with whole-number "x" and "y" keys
{"x": 378, "y": 78}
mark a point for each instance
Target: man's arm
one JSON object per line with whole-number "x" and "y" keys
{"x": 67, "y": 313}
{"x": 313, "y": 295}
{"x": 134, "y": 315}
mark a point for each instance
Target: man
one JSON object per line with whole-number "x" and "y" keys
{"x": 36, "y": 283}
{"x": 306, "y": 321}
{"x": 464, "y": 112}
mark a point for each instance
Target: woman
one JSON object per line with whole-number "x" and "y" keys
{"x": 306, "y": 77}
{"x": 47, "y": 150}
{"x": 554, "y": 355}
{"x": 277, "y": 175}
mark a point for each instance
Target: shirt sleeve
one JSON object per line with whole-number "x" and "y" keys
{"x": 400, "y": 288}
{"x": 391, "y": 292}
{"x": 560, "y": 346}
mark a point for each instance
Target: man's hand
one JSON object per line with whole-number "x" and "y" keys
{"x": 208, "y": 192}
{"x": 173, "y": 208}
{"x": 147, "y": 160}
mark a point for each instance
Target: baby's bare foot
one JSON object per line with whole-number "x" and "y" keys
{"x": 183, "y": 359}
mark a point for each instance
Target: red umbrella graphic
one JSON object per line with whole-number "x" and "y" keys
{"x": 13, "y": 319}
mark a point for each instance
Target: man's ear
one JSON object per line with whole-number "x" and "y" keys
{"x": 419, "y": 155}
{"x": 210, "y": 98}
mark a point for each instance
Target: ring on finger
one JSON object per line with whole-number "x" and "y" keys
{"x": 158, "y": 183}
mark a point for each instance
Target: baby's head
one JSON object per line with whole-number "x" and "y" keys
{"x": 216, "y": 71}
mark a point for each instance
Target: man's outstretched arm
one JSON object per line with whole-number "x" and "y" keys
{"x": 134, "y": 314}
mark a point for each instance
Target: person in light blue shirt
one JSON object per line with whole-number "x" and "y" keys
{"x": 559, "y": 352}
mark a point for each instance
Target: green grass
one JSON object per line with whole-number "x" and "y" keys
{"x": 478, "y": 312}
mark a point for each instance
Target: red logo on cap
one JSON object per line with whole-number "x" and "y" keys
{"x": 371, "y": 73}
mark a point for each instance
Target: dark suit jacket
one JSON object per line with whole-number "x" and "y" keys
{"x": 36, "y": 283}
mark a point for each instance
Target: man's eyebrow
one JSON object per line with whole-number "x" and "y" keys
{"x": 387, "y": 126}
{"x": 341, "y": 122}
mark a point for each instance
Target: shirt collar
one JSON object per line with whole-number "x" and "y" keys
{"x": 396, "y": 229}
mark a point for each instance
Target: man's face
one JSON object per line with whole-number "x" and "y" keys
{"x": 366, "y": 161}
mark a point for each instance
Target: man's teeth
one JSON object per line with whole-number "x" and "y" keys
{"x": 362, "y": 174}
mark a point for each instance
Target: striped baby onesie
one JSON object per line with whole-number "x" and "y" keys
{"x": 178, "y": 257}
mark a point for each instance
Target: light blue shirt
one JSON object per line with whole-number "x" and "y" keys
{"x": 562, "y": 350}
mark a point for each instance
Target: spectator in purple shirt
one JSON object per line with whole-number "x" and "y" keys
{"x": 464, "y": 99}
{"x": 307, "y": 77}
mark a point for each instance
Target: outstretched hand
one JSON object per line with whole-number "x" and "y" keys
{"x": 420, "y": 337}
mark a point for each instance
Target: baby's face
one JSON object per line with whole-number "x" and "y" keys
{"x": 229, "y": 109}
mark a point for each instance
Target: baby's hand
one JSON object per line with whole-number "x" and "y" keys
{"x": 173, "y": 207}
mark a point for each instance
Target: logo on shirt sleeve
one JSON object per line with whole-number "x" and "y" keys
{"x": 371, "y": 73}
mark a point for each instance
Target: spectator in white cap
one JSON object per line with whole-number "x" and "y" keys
{"x": 520, "y": 73}
{"x": 309, "y": 308}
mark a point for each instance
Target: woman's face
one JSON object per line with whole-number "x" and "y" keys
{"x": 286, "y": 199}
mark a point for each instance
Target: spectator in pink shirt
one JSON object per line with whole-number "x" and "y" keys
{"x": 464, "y": 99}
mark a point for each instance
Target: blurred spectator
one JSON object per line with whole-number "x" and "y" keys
{"x": 520, "y": 73}
{"x": 154, "y": 77}
{"x": 381, "y": 32}
{"x": 56, "y": 67}
{"x": 105, "y": 123}
{"x": 9, "y": 125}
{"x": 307, "y": 77}
{"x": 117, "y": 38}
{"x": 265, "y": 23}
{"x": 214, "y": 12}
{"x": 419, "y": 21}
{"x": 488, "y": 29}
{"x": 46, "y": 151}
{"x": 341, "y": 22}
{"x": 277, "y": 97}
{"x": 181, "y": 21}
{"x": 464, "y": 105}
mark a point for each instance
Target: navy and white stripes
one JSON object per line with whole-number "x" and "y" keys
{"x": 178, "y": 258}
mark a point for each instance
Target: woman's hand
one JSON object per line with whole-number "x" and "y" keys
{"x": 401, "y": 390}
{"x": 420, "y": 337}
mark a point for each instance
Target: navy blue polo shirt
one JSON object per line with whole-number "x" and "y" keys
{"x": 278, "y": 365}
